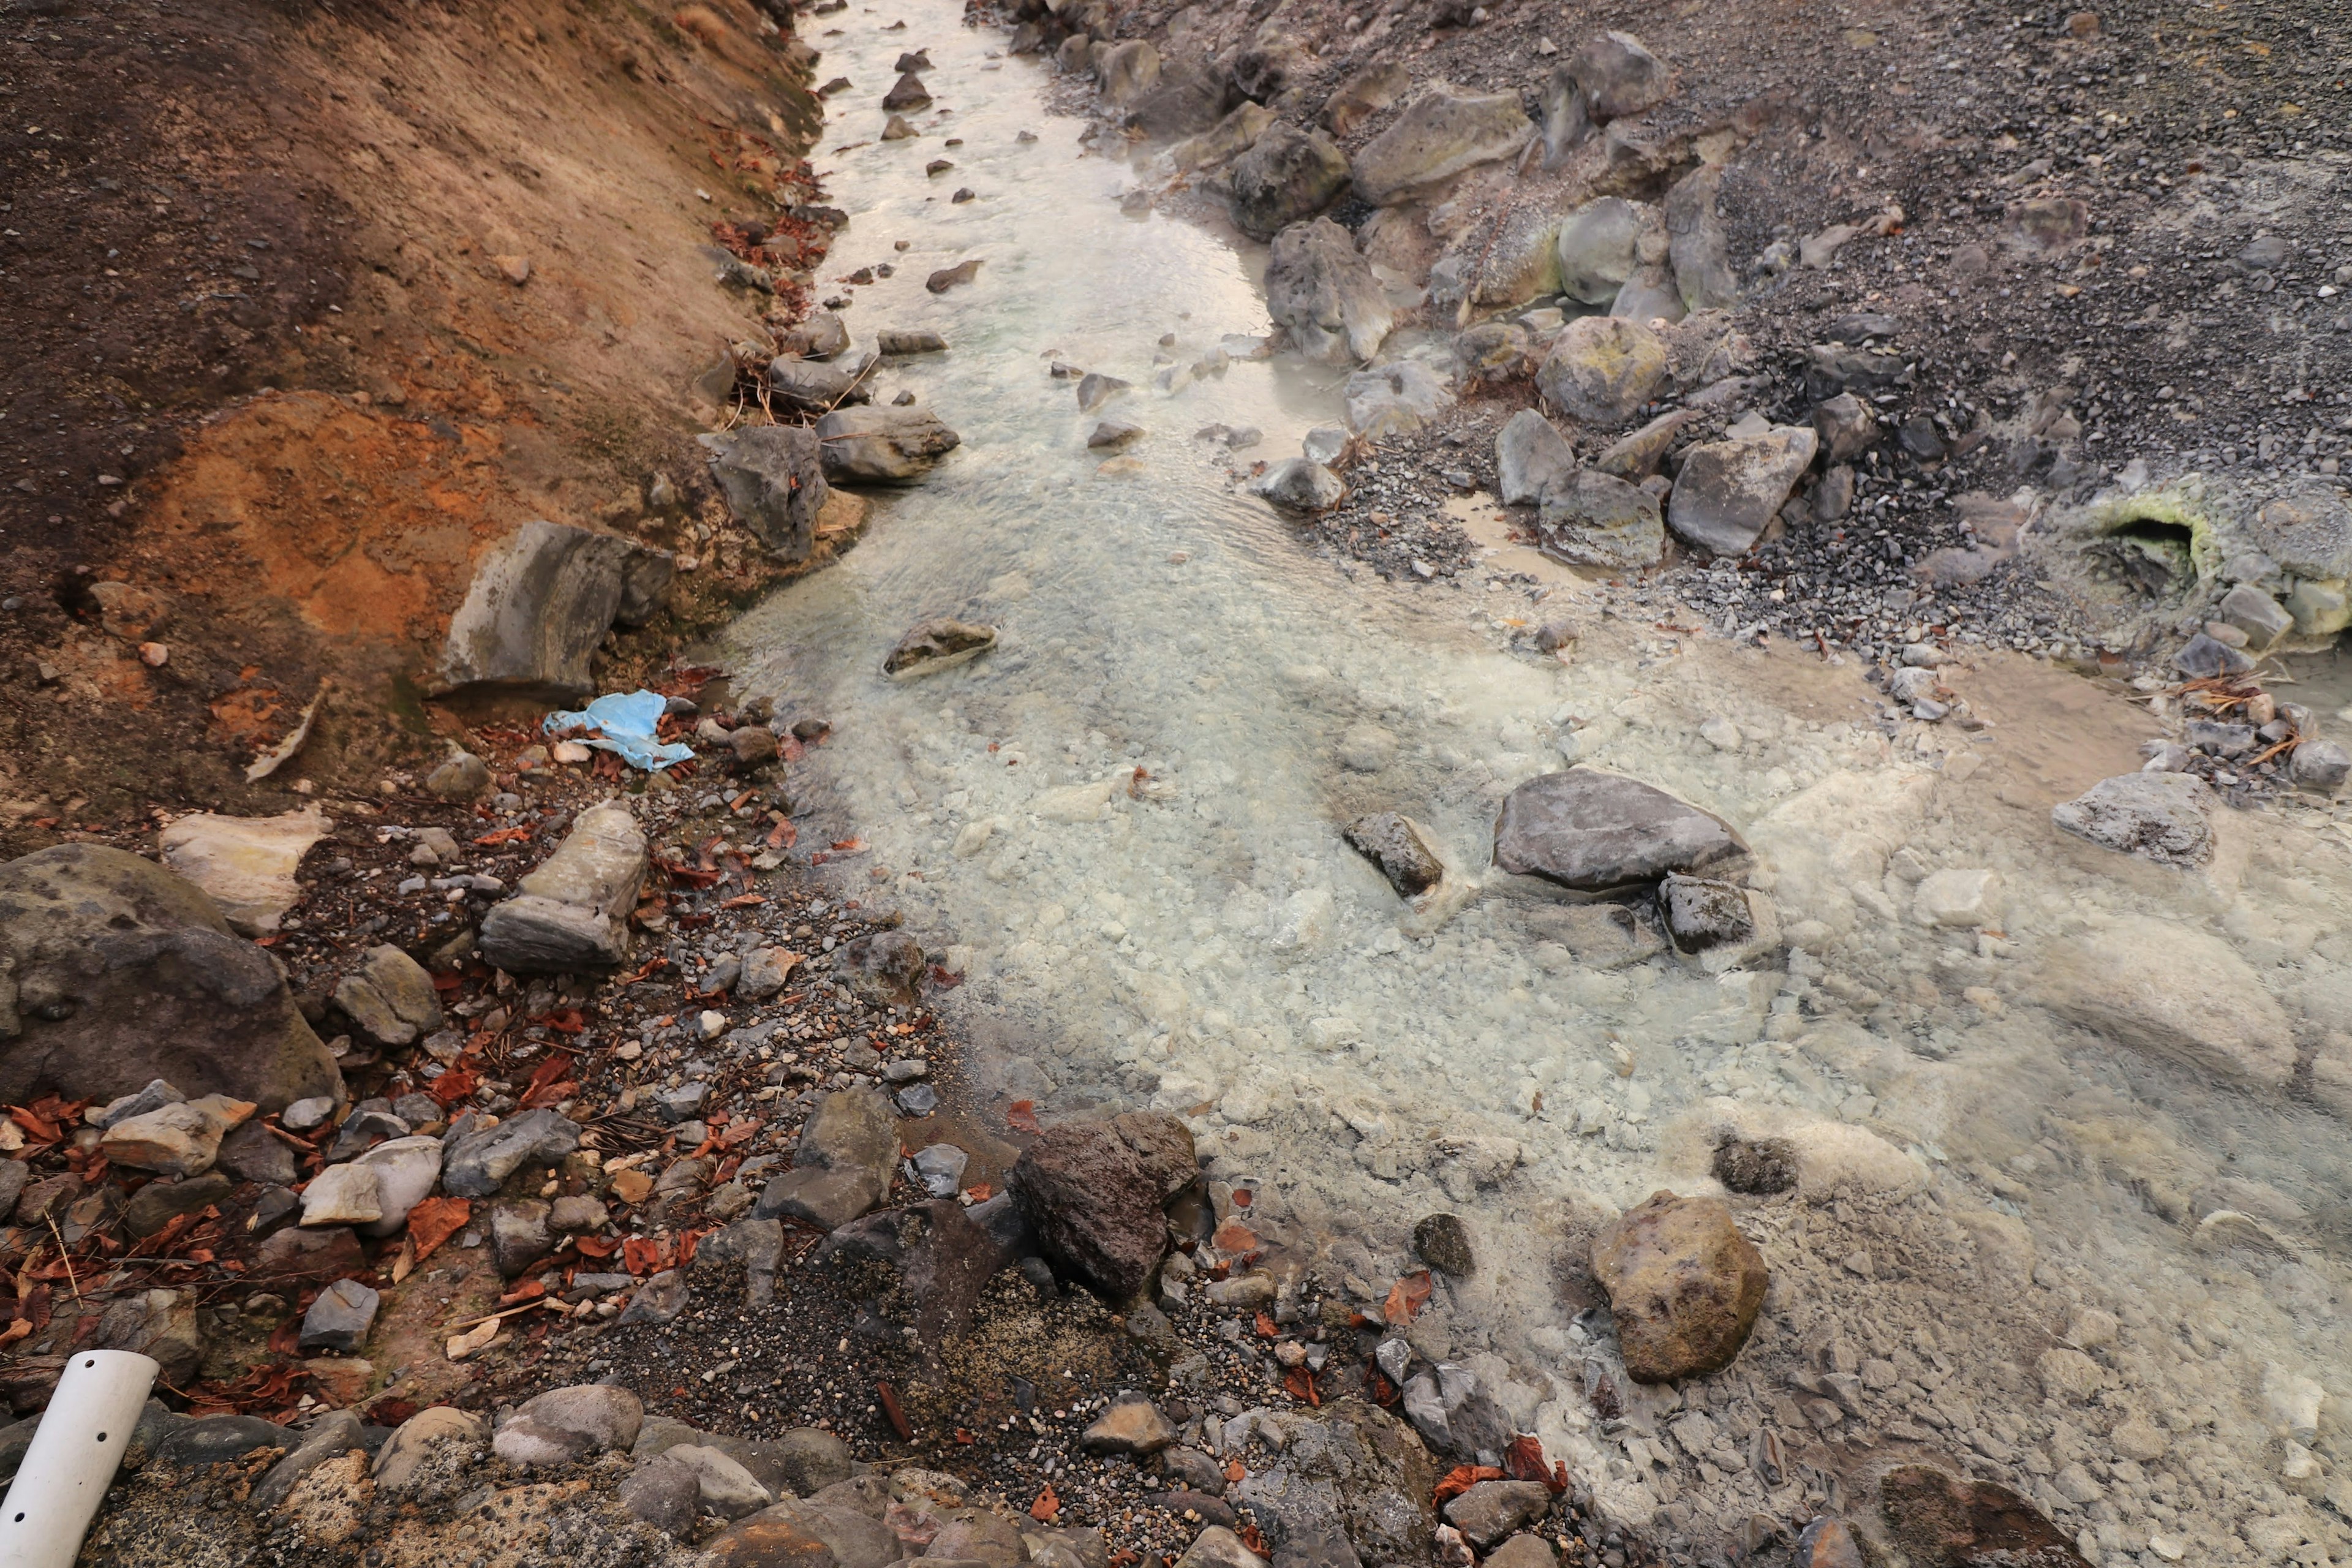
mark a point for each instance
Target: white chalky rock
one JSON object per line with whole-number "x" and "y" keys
{"x": 1958, "y": 899}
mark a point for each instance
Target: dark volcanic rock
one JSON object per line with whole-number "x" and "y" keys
{"x": 1400, "y": 846}
{"x": 1597, "y": 832}
{"x": 1092, "y": 1192}
{"x": 773, "y": 479}
{"x": 1942, "y": 1521}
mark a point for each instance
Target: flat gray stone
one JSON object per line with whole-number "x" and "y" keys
{"x": 1592, "y": 519}
{"x": 1728, "y": 491}
{"x": 539, "y": 602}
{"x": 2166, "y": 818}
{"x": 1597, "y": 832}
{"x": 1440, "y": 134}
{"x": 882, "y": 446}
{"x": 572, "y": 911}
{"x": 339, "y": 1320}
{"x": 476, "y": 1163}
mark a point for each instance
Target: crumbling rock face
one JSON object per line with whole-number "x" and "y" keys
{"x": 114, "y": 973}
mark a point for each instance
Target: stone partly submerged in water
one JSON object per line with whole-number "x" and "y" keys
{"x": 773, "y": 479}
{"x": 2172, "y": 992}
{"x": 1941, "y": 1518}
{"x": 932, "y": 646}
{"x": 1301, "y": 484}
{"x": 1322, "y": 291}
{"x": 1401, "y": 848}
{"x": 1597, "y": 832}
{"x": 1592, "y": 519}
{"x": 881, "y": 446}
{"x": 1684, "y": 1285}
{"x": 2164, "y": 817}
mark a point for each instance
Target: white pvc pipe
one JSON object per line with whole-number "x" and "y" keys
{"x": 73, "y": 1456}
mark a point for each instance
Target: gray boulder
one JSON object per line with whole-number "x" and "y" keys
{"x": 1597, "y": 832}
{"x": 1601, "y": 369}
{"x": 2263, "y": 618}
{"x": 922, "y": 1266}
{"x": 821, "y": 335}
{"x": 475, "y": 1164}
{"x": 1491, "y": 1511}
{"x": 2205, "y": 656}
{"x": 1718, "y": 925}
{"x": 662, "y": 1492}
{"x": 842, "y": 1167}
{"x": 1610, "y": 77}
{"x": 1599, "y": 247}
{"x": 114, "y": 973}
{"x": 566, "y": 1425}
{"x": 1696, "y": 243}
{"x": 1728, "y": 491}
{"x": 1395, "y": 399}
{"x": 1323, "y": 294}
{"x": 572, "y": 911}
{"x": 1351, "y": 1473}
{"x": 539, "y": 602}
{"x": 1128, "y": 70}
{"x": 2317, "y": 764}
{"x": 1190, "y": 96}
{"x": 520, "y": 1236}
{"x": 1092, "y": 1192}
{"x": 773, "y": 480}
{"x": 333, "y": 1434}
{"x": 1592, "y": 519}
{"x": 882, "y": 446}
{"x": 2167, "y": 818}
{"x": 1300, "y": 484}
{"x": 1286, "y": 176}
{"x": 928, "y": 646}
{"x": 1440, "y": 135}
{"x": 814, "y": 386}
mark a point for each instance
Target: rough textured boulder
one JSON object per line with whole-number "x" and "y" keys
{"x": 2164, "y": 817}
{"x": 1718, "y": 925}
{"x": 114, "y": 973}
{"x": 1728, "y": 490}
{"x": 1092, "y": 1192}
{"x": 771, "y": 1537}
{"x": 245, "y": 865}
{"x": 540, "y": 601}
{"x": 885, "y": 968}
{"x": 1353, "y": 1473}
{"x": 1395, "y": 399}
{"x": 1683, "y": 1286}
{"x": 1364, "y": 94}
{"x": 1321, "y": 292}
{"x": 1441, "y": 133}
{"x": 1599, "y": 248}
{"x": 1529, "y": 454}
{"x": 389, "y": 997}
{"x": 572, "y": 911}
{"x": 1288, "y": 174}
{"x": 1598, "y": 832}
{"x": 1696, "y": 243}
{"x": 1489, "y": 1512}
{"x": 475, "y": 1164}
{"x": 1401, "y": 848}
{"x": 1300, "y": 484}
{"x": 809, "y": 386}
{"x": 882, "y": 446}
{"x": 1189, "y": 97}
{"x": 1128, "y": 70}
{"x": 773, "y": 479}
{"x": 2172, "y": 992}
{"x": 929, "y": 647}
{"x": 843, "y": 1164}
{"x": 1592, "y": 519}
{"x": 1942, "y": 1518}
{"x": 1601, "y": 369}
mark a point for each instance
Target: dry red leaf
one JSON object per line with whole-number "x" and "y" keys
{"x": 1460, "y": 1479}
{"x": 1524, "y": 1462}
{"x": 1022, "y": 1116}
{"x": 524, "y": 1290}
{"x": 1046, "y": 1506}
{"x": 1300, "y": 1385}
{"x": 784, "y": 836}
{"x": 434, "y": 1220}
{"x": 1407, "y": 1297}
{"x": 456, "y": 1084}
{"x": 642, "y": 1255}
{"x": 1236, "y": 1471}
{"x": 895, "y": 1412}
{"x": 979, "y": 1192}
{"x": 596, "y": 1246}
{"x": 1243, "y": 1197}
{"x": 505, "y": 835}
{"x": 1233, "y": 1236}
{"x": 1253, "y": 1539}
{"x": 1265, "y": 1328}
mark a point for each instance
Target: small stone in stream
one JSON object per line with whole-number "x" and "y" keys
{"x": 2206, "y": 657}
{"x": 1324, "y": 444}
{"x": 1300, "y": 484}
{"x": 571, "y": 912}
{"x": 1958, "y": 899}
{"x": 1934, "y": 1517}
{"x": 799, "y": 386}
{"x": 1132, "y": 1425}
{"x": 339, "y": 1320}
{"x": 2172, "y": 992}
{"x": 754, "y": 745}
{"x": 1683, "y": 1286}
{"x": 2319, "y": 765}
{"x": 842, "y": 1165}
{"x": 1401, "y": 848}
{"x": 158, "y": 1204}
{"x": 1113, "y": 433}
{"x": 1287, "y": 175}
{"x": 1442, "y": 1241}
{"x": 1757, "y": 1167}
{"x": 947, "y": 278}
{"x": 1597, "y": 832}
{"x": 662, "y": 1492}
{"x": 659, "y": 1299}
{"x": 1095, "y": 389}
{"x": 964, "y": 194}
{"x": 389, "y": 997}
{"x": 914, "y": 60}
{"x": 343, "y": 1194}
{"x": 1727, "y": 491}
{"x": 1720, "y": 924}
{"x": 919, "y": 341}
{"x": 464, "y": 776}
{"x": 1846, "y": 427}
{"x": 884, "y": 969}
{"x": 938, "y": 166}
{"x": 897, "y": 129}
{"x": 919, "y": 1100}
{"x": 820, "y": 335}
{"x": 882, "y": 446}
{"x": 1492, "y": 1511}
{"x": 940, "y": 1168}
{"x": 1590, "y": 519}
{"x": 2166, "y": 818}
{"x": 907, "y": 93}
{"x": 1601, "y": 369}
{"x": 478, "y": 1162}
{"x": 773, "y": 480}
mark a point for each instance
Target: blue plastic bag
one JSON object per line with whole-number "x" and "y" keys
{"x": 625, "y": 723}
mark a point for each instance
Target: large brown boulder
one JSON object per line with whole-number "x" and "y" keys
{"x": 1942, "y": 1520}
{"x": 114, "y": 973}
{"x": 1683, "y": 1284}
{"x": 1092, "y": 1192}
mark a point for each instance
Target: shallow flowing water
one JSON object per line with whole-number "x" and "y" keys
{"x": 1126, "y": 819}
